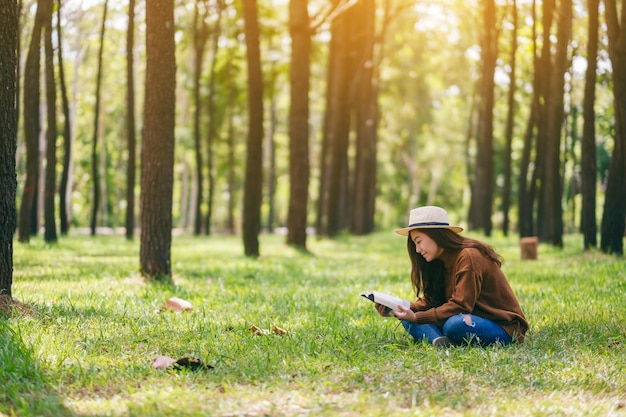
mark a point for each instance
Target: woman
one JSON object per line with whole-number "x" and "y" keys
{"x": 463, "y": 295}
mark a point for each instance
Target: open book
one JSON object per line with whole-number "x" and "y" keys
{"x": 387, "y": 300}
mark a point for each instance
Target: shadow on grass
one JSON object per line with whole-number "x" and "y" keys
{"x": 26, "y": 389}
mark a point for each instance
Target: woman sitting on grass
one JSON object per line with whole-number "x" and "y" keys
{"x": 463, "y": 295}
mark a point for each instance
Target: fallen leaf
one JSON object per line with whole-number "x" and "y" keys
{"x": 194, "y": 364}
{"x": 162, "y": 362}
{"x": 261, "y": 332}
{"x": 278, "y": 330}
{"x": 258, "y": 331}
{"x": 177, "y": 304}
{"x": 165, "y": 362}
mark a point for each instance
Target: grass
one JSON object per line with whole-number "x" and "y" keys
{"x": 87, "y": 346}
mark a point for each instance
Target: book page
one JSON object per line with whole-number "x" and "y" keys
{"x": 387, "y": 300}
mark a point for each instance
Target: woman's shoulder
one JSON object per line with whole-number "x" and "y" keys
{"x": 471, "y": 256}
{"x": 472, "y": 253}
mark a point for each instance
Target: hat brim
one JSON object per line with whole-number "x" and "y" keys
{"x": 405, "y": 230}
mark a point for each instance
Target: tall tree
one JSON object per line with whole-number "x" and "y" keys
{"x": 482, "y": 189}
{"x": 95, "y": 175}
{"x": 550, "y": 210}
{"x": 253, "y": 188}
{"x": 131, "y": 167}
{"x": 300, "y": 29}
{"x": 506, "y": 191}
{"x": 613, "y": 216}
{"x": 9, "y": 18}
{"x": 366, "y": 103}
{"x": 157, "y": 174}
{"x": 588, "y": 163}
{"x": 200, "y": 37}
{"x": 333, "y": 187}
{"x": 270, "y": 156}
{"x": 32, "y": 126}
{"x": 212, "y": 113}
{"x": 526, "y": 184}
{"x": 50, "y": 232}
{"x": 64, "y": 189}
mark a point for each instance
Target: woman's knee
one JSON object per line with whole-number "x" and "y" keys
{"x": 458, "y": 327}
{"x": 456, "y": 323}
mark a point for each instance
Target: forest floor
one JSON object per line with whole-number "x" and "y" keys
{"x": 85, "y": 341}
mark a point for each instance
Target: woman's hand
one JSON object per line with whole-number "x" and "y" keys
{"x": 403, "y": 313}
{"x": 382, "y": 310}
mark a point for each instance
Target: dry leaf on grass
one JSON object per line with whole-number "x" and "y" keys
{"x": 258, "y": 331}
{"x": 177, "y": 304}
{"x": 162, "y": 362}
{"x": 261, "y": 332}
{"x": 278, "y": 330}
{"x": 165, "y": 362}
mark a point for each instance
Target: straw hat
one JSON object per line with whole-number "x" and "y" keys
{"x": 428, "y": 217}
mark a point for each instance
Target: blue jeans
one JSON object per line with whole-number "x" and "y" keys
{"x": 461, "y": 328}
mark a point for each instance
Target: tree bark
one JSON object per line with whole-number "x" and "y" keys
{"x": 334, "y": 158}
{"x": 270, "y": 158}
{"x": 613, "y": 216}
{"x": 508, "y": 149}
{"x": 50, "y": 229}
{"x": 64, "y": 191}
{"x": 253, "y": 187}
{"x": 157, "y": 176}
{"x": 366, "y": 122}
{"x": 9, "y": 19}
{"x": 31, "y": 128}
{"x": 212, "y": 115}
{"x": 525, "y": 186}
{"x": 299, "y": 27}
{"x": 550, "y": 210}
{"x": 131, "y": 166}
{"x": 200, "y": 37}
{"x": 482, "y": 190}
{"x": 588, "y": 163}
{"x": 95, "y": 174}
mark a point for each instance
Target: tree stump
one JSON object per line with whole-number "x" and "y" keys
{"x": 528, "y": 246}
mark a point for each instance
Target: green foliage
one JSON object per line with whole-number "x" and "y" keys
{"x": 428, "y": 66}
{"x": 88, "y": 348}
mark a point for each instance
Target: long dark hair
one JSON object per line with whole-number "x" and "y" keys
{"x": 427, "y": 278}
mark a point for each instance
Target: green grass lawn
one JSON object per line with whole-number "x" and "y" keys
{"x": 87, "y": 347}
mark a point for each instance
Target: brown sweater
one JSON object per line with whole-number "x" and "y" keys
{"x": 476, "y": 285}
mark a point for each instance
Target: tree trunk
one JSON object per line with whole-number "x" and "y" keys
{"x": 32, "y": 128}
{"x": 269, "y": 144}
{"x": 212, "y": 115}
{"x": 50, "y": 234}
{"x": 200, "y": 36}
{"x": 550, "y": 210}
{"x": 270, "y": 157}
{"x": 613, "y": 221}
{"x": 64, "y": 191}
{"x": 508, "y": 149}
{"x": 482, "y": 190}
{"x": 157, "y": 176}
{"x": 525, "y": 193}
{"x": 130, "y": 123}
{"x": 367, "y": 123}
{"x": 299, "y": 27}
{"x": 96, "y": 130}
{"x": 9, "y": 19}
{"x": 253, "y": 187}
{"x": 230, "y": 140}
{"x": 231, "y": 110}
{"x": 334, "y": 162}
{"x": 543, "y": 73}
{"x": 588, "y": 163}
